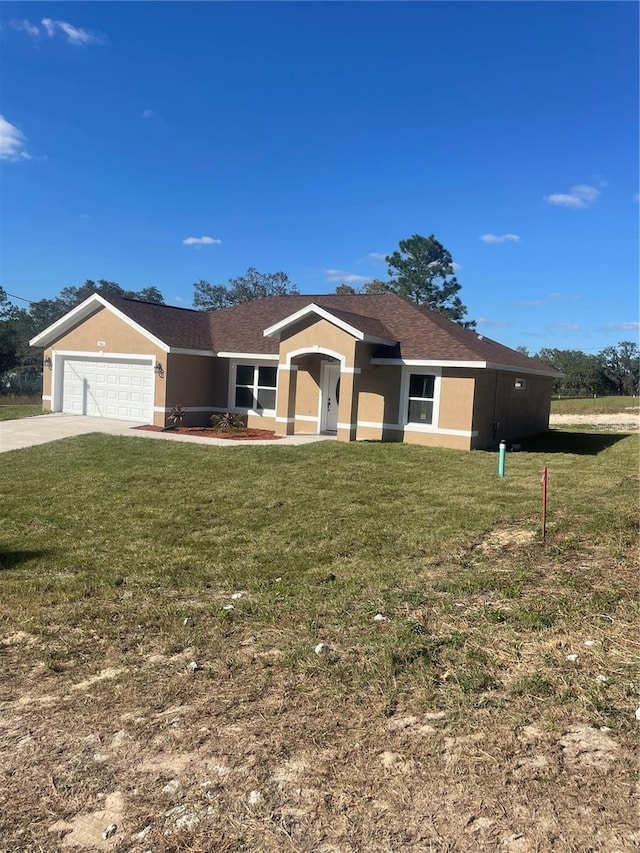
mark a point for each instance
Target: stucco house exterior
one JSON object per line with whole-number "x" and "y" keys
{"x": 360, "y": 366}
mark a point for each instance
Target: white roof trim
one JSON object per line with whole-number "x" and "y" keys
{"x": 476, "y": 365}
{"x": 255, "y": 356}
{"x": 187, "y": 351}
{"x": 312, "y": 308}
{"x": 81, "y": 312}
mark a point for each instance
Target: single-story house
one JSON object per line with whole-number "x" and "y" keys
{"x": 360, "y": 366}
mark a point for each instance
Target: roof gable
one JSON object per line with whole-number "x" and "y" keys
{"x": 90, "y": 306}
{"x": 367, "y": 329}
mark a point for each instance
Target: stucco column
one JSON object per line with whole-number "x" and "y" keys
{"x": 348, "y": 406}
{"x": 286, "y": 400}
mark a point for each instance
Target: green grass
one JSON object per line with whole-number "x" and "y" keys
{"x": 350, "y": 529}
{"x": 12, "y": 413}
{"x": 109, "y": 543}
{"x": 592, "y": 405}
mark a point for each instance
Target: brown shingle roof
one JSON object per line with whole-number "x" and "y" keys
{"x": 421, "y": 334}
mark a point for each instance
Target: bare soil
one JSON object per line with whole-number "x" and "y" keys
{"x": 248, "y": 754}
{"x": 205, "y": 432}
{"x": 627, "y": 421}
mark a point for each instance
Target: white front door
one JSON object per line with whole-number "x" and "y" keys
{"x": 331, "y": 397}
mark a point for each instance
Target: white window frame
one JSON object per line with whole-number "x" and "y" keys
{"x": 255, "y": 363}
{"x": 403, "y": 418}
{"x": 520, "y": 384}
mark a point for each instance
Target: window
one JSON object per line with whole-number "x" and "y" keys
{"x": 520, "y": 384}
{"x": 255, "y": 387}
{"x": 421, "y": 397}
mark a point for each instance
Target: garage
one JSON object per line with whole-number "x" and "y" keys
{"x": 108, "y": 388}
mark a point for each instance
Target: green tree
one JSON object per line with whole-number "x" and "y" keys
{"x": 373, "y": 286}
{"x": 621, "y": 366}
{"x": 422, "y": 272}
{"x": 245, "y": 288}
{"x": 583, "y": 374}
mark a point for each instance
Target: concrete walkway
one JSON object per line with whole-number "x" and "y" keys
{"x": 27, "y": 432}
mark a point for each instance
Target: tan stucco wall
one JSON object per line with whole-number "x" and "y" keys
{"x": 308, "y": 387}
{"x": 193, "y": 381}
{"x": 118, "y": 338}
{"x": 318, "y": 332}
{"x": 259, "y": 422}
{"x": 379, "y": 400}
{"x": 456, "y": 399}
{"x": 519, "y": 412}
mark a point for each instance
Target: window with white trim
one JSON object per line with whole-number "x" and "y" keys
{"x": 421, "y": 398}
{"x": 520, "y": 384}
{"x": 255, "y": 387}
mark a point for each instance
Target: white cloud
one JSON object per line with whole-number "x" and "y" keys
{"x": 571, "y": 327}
{"x": 12, "y": 142}
{"x": 500, "y": 238}
{"x": 148, "y": 114}
{"x": 571, "y": 297}
{"x": 625, "y": 327}
{"x": 201, "y": 241}
{"x": 497, "y": 324}
{"x": 456, "y": 266}
{"x": 347, "y": 278}
{"x": 74, "y": 35}
{"x": 582, "y": 195}
{"x": 26, "y": 27}
{"x": 527, "y": 302}
{"x": 376, "y": 256}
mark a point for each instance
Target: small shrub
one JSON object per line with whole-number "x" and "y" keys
{"x": 177, "y": 415}
{"x": 227, "y": 422}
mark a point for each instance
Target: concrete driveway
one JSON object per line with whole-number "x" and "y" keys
{"x": 27, "y": 432}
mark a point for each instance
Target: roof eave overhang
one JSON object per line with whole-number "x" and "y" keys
{"x": 476, "y": 365}
{"x": 81, "y": 312}
{"x": 276, "y": 329}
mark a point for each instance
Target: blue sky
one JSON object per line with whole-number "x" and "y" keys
{"x": 312, "y": 137}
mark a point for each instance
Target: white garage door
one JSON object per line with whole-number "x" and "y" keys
{"x": 108, "y": 388}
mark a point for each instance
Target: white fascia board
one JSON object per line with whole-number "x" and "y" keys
{"x": 85, "y": 309}
{"x": 428, "y": 362}
{"x": 249, "y": 356}
{"x": 479, "y": 365}
{"x": 312, "y": 308}
{"x": 186, "y": 351}
{"x": 532, "y": 371}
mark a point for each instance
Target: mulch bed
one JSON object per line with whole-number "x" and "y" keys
{"x": 204, "y": 432}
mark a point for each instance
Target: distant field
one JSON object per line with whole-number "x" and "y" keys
{"x": 476, "y": 692}
{"x": 592, "y": 405}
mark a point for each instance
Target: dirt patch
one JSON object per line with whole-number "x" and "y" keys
{"x": 627, "y": 421}
{"x": 505, "y": 537}
{"x": 98, "y": 830}
{"x": 205, "y": 432}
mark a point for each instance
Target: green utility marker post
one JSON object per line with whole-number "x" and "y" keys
{"x": 501, "y": 458}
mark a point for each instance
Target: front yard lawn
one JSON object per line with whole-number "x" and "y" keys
{"x": 490, "y": 706}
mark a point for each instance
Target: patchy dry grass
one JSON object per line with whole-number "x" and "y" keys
{"x": 462, "y": 723}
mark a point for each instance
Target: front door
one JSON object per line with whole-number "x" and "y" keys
{"x": 331, "y": 397}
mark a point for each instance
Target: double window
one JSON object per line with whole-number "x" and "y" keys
{"x": 255, "y": 387}
{"x": 421, "y": 398}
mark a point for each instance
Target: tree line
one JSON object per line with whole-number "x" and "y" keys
{"x": 421, "y": 270}
{"x": 614, "y": 370}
